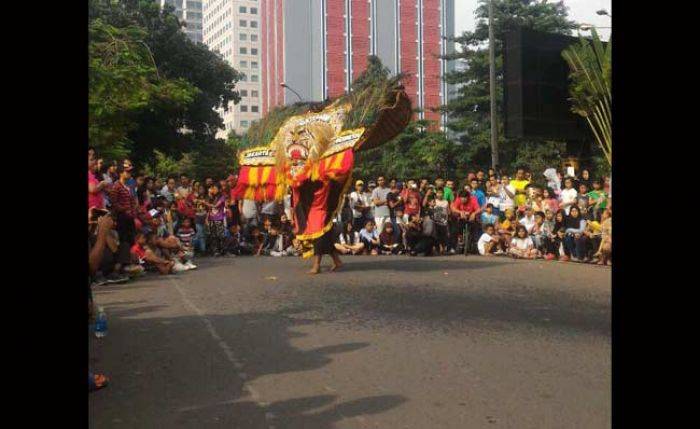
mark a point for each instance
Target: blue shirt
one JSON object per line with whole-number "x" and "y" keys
{"x": 480, "y": 196}
{"x": 488, "y": 218}
{"x": 369, "y": 235}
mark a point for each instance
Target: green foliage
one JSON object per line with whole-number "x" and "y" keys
{"x": 123, "y": 82}
{"x": 469, "y": 111}
{"x": 416, "y": 152}
{"x": 590, "y": 88}
{"x": 171, "y": 128}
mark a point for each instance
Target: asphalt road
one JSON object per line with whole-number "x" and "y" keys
{"x": 388, "y": 342}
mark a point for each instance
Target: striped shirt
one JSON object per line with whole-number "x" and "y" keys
{"x": 122, "y": 200}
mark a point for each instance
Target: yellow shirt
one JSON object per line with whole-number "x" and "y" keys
{"x": 519, "y": 185}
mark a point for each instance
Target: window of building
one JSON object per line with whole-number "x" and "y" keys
{"x": 253, "y": 51}
{"x": 253, "y": 24}
{"x": 254, "y": 64}
{"x": 254, "y": 10}
{"x": 242, "y": 9}
{"x": 244, "y": 78}
{"x": 254, "y": 109}
{"x": 244, "y": 108}
{"x": 253, "y": 37}
{"x": 253, "y": 78}
{"x": 244, "y": 64}
{"x": 243, "y": 36}
{"x": 243, "y": 92}
{"x": 244, "y": 124}
{"x": 243, "y": 23}
{"x": 243, "y": 50}
{"x": 254, "y": 93}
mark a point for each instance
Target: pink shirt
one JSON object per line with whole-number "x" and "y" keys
{"x": 95, "y": 199}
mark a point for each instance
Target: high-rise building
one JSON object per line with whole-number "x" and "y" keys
{"x": 232, "y": 28}
{"x": 318, "y": 47}
{"x": 190, "y": 13}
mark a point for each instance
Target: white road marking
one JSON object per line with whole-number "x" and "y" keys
{"x": 255, "y": 396}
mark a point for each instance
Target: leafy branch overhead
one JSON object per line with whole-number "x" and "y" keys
{"x": 590, "y": 89}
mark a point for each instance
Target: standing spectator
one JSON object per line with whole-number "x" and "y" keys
{"x": 449, "y": 188}
{"x": 598, "y": 200}
{"x": 507, "y": 195}
{"x": 488, "y": 215}
{"x": 412, "y": 201}
{"x": 216, "y": 203}
{"x": 371, "y": 186}
{"x": 381, "y": 209}
{"x": 493, "y": 196}
{"x": 582, "y": 196}
{"x": 359, "y": 203}
{"x": 585, "y": 178}
{"x": 553, "y": 181}
{"x": 270, "y": 210}
{"x": 124, "y": 208}
{"x": 568, "y": 195}
{"x": 575, "y": 241}
{"x": 477, "y": 192}
{"x": 519, "y": 184}
{"x": 441, "y": 216}
{"x": 95, "y": 186}
{"x": 232, "y": 200}
{"x": 168, "y": 191}
{"x": 370, "y": 238}
{"x": 184, "y": 184}
{"x": 249, "y": 212}
{"x": 465, "y": 211}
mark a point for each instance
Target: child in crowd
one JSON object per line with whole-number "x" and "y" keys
{"x": 349, "y": 241}
{"x": 528, "y": 219}
{"x": 488, "y": 216}
{"x": 597, "y": 200}
{"x": 441, "y": 215}
{"x": 216, "y": 203}
{"x": 186, "y": 236}
{"x": 233, "y": 241}
{"x": 538, "y": 234}
{"x": 489, "y": 242}
{"x": 521, "y": 246}
{"x": 200, "y": 221}
{"x": 507, "y": 227}
{"x": 605, "y": 250}
{"x": 568, "y": 195}
{"x": 582, "y": 199}
{"x": 388, "y": 244}
{"x": 143, "y": 254}
{"x": 370, "y": 238}
{"x": 549, "y": 201}
{"x": 547, "y": 230}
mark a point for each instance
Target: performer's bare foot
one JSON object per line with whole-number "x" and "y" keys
{"x": 316, "y": 267}
{"x": 314, "y": 270}
{"x": 336, "y": 262}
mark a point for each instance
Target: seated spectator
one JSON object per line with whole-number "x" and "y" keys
{"x": 604, "y": 252}
{"x": 521, "y": 246}
{"x": 143, "y": 254}
{"x": 349, "y": 241}
{"x": 538, "y": 233}
{"x": 420, "y": 235}
{"x": 489, "y": 242}
{"x": 370, "y": 238}
{"x": 560, "y": 234}
{"x": 582, "y": 199}
{"x": 507, "y": 228}
{"x": 233, "y": 241}
{"x": 597, "y": 200}
{"x": 388, "y": 244}
{"x": 549, "y": 201}
{"x": 575, "y": 241}
{"x": 465, "y": 211}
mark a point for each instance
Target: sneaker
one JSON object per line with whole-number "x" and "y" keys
{"x": 116, "y": 278}
{"x": 99, "y": 281}
{"x": 453, "y": 252}
{"x": 190, "y": 265}
{"x": 178, "y": 267}
{"x": 133, "y": 270}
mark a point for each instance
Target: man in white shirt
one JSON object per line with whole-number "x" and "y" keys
{"x": 568, "y": 195}
{"x": 381, "y": 208}
{"x": 360, "y": 205}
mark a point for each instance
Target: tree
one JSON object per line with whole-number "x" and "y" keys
{"x": 590, "y": 89}
{"x": 124, "y": 82}
{"x": 469, "y": 112}
{"x": 192, "y": 127}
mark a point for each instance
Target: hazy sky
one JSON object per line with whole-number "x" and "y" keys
{"x": 582, "y": 11}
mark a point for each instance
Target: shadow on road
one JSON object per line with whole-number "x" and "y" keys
{"x": 416, "y": 264}
{"x": 171, "y": 372}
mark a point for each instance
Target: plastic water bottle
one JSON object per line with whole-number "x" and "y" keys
{"x": 101, "y": 323}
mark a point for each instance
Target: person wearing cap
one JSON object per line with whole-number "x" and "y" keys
{"x": 359, "y": 203}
